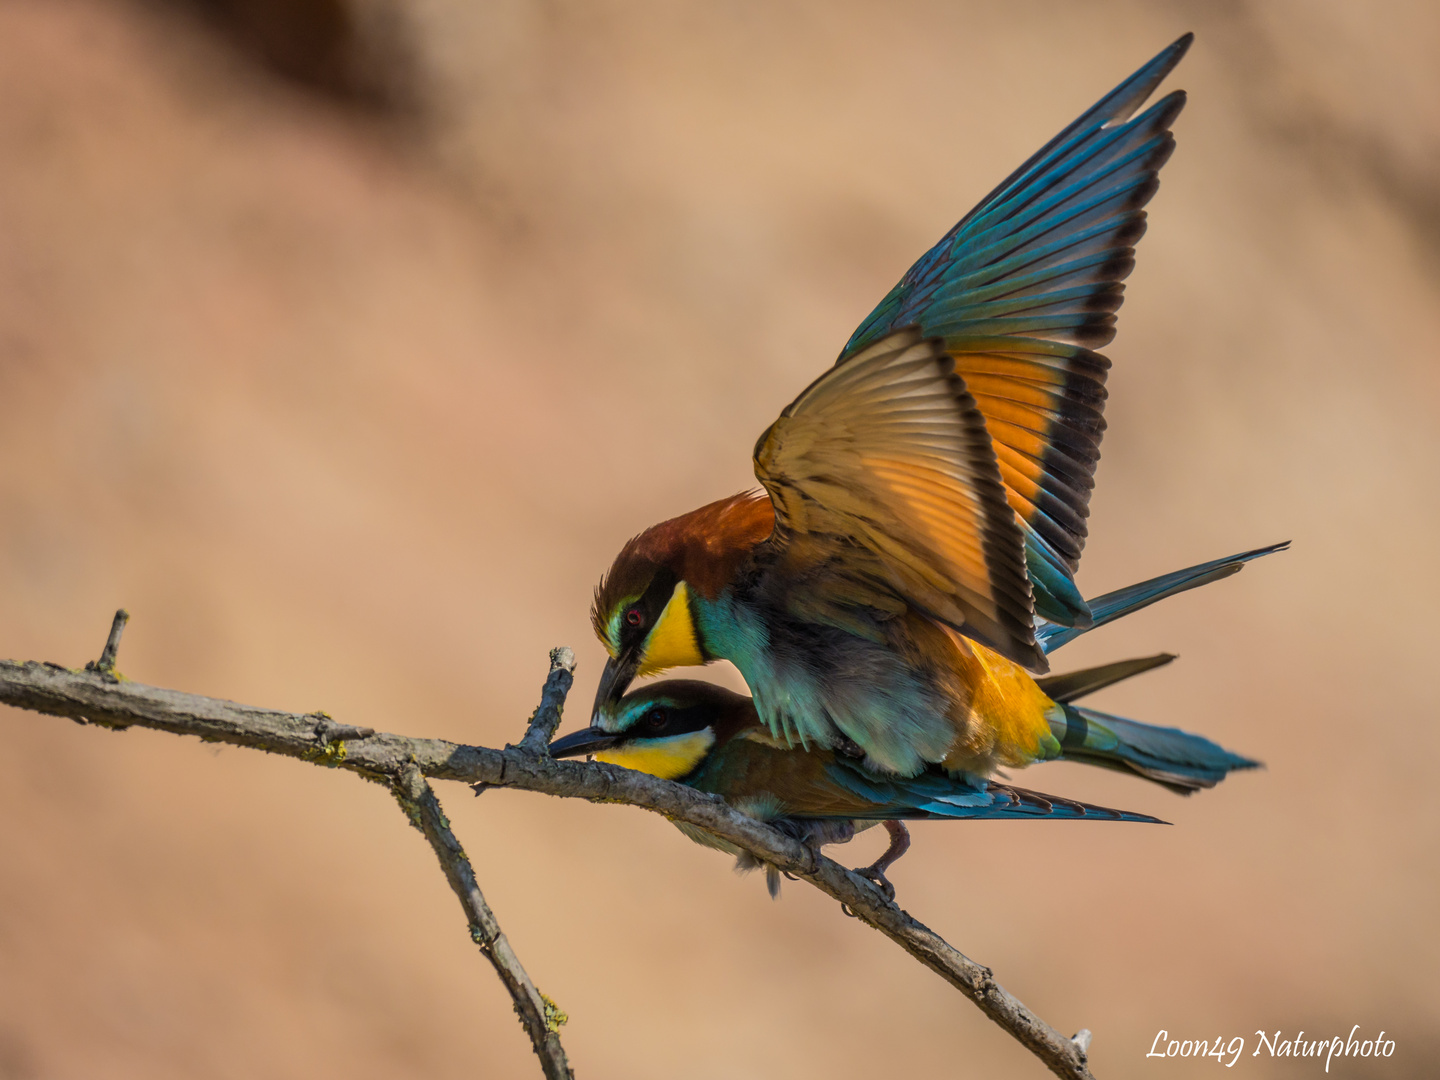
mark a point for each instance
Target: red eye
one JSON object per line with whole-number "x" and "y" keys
{"x": 657, "y": 719}
{"x": 634, "y": 617}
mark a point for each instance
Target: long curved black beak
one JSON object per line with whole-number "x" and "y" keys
{"x": 586, "y": 741}
{"x": 619, "y": 673}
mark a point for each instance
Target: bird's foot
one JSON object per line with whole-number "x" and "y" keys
{"x": 875, "y": 874}
{"x": 899, "y": 844}
{"x": 815, "y": 834}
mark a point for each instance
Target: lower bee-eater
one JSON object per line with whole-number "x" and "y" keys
{"x": 712, "y": 739}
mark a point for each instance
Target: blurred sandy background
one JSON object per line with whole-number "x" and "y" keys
{"x": 345, "y": 353}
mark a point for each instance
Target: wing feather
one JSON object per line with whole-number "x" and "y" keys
{"x": 884, "y": 478}
{"x": 1023, "y": 288}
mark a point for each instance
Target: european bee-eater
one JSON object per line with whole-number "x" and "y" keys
{"x": 924, "y": 499}
{"x": 712, "y": 739}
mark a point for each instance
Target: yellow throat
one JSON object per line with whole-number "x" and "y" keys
{"x": 672, "y": 643}
{"x": 669, "y": 758}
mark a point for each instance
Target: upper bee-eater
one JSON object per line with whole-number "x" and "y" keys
{"x": 712, "y": 739}
{"x": 924, "y": 500}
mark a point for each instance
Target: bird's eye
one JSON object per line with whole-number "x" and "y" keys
{"x": 656, "y": 719}
{"x": 634, "y": 617}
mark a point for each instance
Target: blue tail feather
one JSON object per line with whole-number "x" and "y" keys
{"x": 1177, "y": 759}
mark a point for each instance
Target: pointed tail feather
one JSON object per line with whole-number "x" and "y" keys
{"x": 1114, "y": 605}
{"x": 1074, "y": 685}
{"x": 1180, "y": 761}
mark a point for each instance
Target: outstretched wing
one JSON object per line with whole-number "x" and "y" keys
{"x": 1023, "y": 290}
{"x": 887, "y": 496}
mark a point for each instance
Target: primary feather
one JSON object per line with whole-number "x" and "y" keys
{"x": 1023, "y": 289}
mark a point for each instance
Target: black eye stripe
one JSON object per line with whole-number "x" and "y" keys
{"x": 657, "y": 594}
{"x": 674, "y": 720}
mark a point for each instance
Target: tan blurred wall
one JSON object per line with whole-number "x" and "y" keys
{"x": 352, "y": 416}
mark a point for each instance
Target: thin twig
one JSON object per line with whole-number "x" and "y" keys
{"x": 540, "y": 1016}
{"x": 552, "y": 702}
{"x": 106, "y": 664}
{"x": 61, "y": 692}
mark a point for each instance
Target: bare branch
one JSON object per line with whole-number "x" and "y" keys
{"x": 48, "y": 688}
{"x": 538, "y": 1014}
{"x": 328, "y": 740}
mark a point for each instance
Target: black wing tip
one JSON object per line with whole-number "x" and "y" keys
{"x": 1152, "y": 74}
{"x": 1237, "y": 562}
{"x": 1170, "y": 106}
{"x": 1141, "y": 819}
{"x": 1166, "y": 60}
{"x": 1035, "y": 659}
